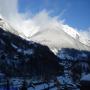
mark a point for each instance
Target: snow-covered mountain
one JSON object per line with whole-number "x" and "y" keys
{"x": 60, "y": 37}
{"x": 21, "y": 57}
{"x": 55, "y": 37}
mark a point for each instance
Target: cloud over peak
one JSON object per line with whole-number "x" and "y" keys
{"x": 31, "y": 25}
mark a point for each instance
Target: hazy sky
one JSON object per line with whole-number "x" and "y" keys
{"x": 75, "y": 12}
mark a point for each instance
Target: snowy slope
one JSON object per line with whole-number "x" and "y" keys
{"x": 73, "y": 33}
{"x": 57, "y": 38}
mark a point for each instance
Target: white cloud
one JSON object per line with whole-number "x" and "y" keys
{"x": 85, "y": 33}
{"x": 31, "y": 25}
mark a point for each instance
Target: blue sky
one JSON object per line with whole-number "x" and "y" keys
{"x": 75, "y": 12}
